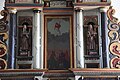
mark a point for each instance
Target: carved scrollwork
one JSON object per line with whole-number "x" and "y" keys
{"x": 3, "y": 21}
{"x": 3, "y": 50}
{"x": 3, "y": 28}
{"x": 115, "y": 48}
{"x": 114, "y": 27}
{"x": 3, "y": 38}
{"x": 3, "y": 64}
{"x": 115, "y": 62}
{"x": 110, "y": 14}
{"x": 114, "y": 35}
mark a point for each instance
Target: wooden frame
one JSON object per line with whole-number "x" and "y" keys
{"x": 57, "y": 27}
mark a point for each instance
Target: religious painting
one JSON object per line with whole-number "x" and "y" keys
{"x": 58, "y": 41}
{"x": 25, "y": 36}
{"x": 91, "y": 35}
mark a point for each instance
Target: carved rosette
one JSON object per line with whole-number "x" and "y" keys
{"x": 3, "y": 38}
{"x": 114, "y": 36}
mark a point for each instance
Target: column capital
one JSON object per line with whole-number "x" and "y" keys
{"x": 12, "y": 10}
{"x": 36, "y": 10}
{"x": 103, "y": 9}
{"x": 78, "y": 9}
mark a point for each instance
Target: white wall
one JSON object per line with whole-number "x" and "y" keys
{"x": 1, "y": 5}
{"x": 116, "y": 6}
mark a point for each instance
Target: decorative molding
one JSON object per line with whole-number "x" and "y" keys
{"x": 58, "y": 3}
{"x": 88, "y": 19}
{"x": 24, "y": 1}
{"x": 92, "y": 4}
{"x": 14, "y": 74}
{"x": 36, "y": 10}
{"x": 21, "y": 72}
{"x": 96, "y": 72}
{"x": 12, "y": 10}
{"x": 8, "y": 5}
{"x": 27, "y": 19}
{"x": 103, "y": 9}
{"x": 58, "y": 73}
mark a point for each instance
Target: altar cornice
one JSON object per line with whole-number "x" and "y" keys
{"x": 91, "y": 5}
{"x": 21, "y": 72}
{"x": 20, "y": 6}
{"x": 96, "y": 72}
{"x": 59, "y": 73}
{"x": 90, "y": 72}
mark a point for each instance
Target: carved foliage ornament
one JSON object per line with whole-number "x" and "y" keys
{"x": 3, "y": 64}
{"x": 3, "y": 21}
{"x": 27, "y": 19}
{"x": 114, "y": 36}
{"x": 88, "y": 19}
{"x": 3, "y": 38}
{"x": 58, "y": 3}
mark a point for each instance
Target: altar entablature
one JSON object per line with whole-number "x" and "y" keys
{"x": 23, "y": 4}
{"x": 83, "y": 1}
{"x": 91, "y": 4}
{"x": 58, "y": 3}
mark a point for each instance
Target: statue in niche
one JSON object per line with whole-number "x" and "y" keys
{"x": 91, "y": 39}
{"x": 24, "y": 40}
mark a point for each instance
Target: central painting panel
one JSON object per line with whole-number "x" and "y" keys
{"x": 58, "y": 42}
